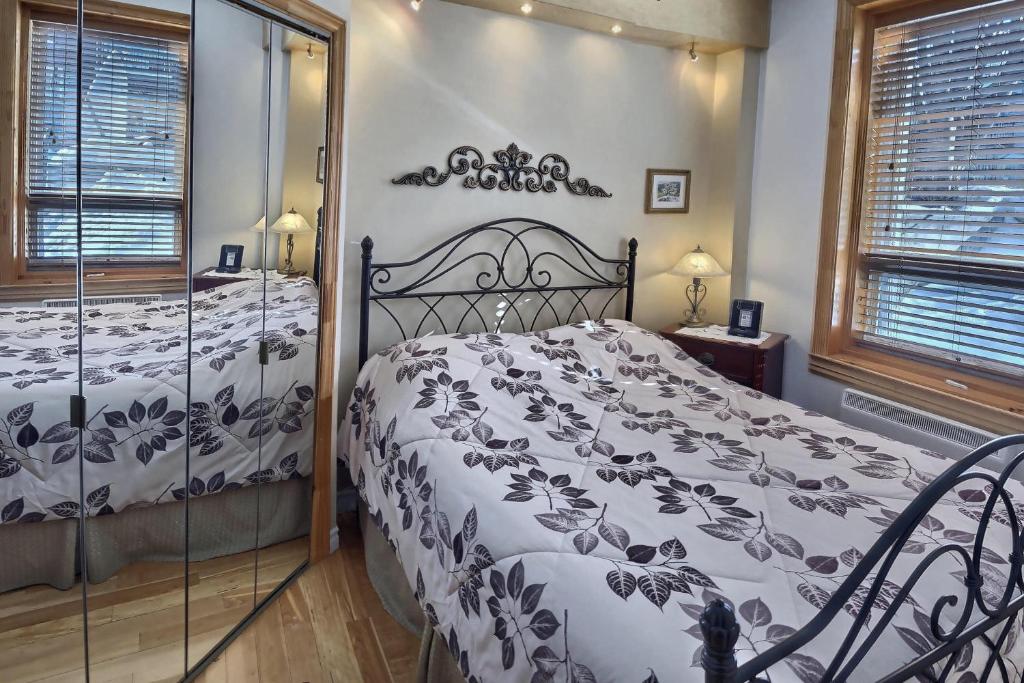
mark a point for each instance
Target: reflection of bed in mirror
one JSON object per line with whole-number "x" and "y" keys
{"x": 135, "y": 370}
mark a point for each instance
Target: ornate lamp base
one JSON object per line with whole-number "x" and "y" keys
{"x": 695, "y": 294}
{"x": 287, "y": 269}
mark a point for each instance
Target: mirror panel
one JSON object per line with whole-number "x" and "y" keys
{"x": 233, "y": 63}
{"x": 135, "y": 87}
{"x": 297, "y": 132}
{"x": 155, "y": 530}
{"x": 41, "y": 593}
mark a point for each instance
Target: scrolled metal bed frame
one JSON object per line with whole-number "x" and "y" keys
{"x": 500, "y": 275}
{"x": 974, "y": 619}
{"x": 990, "y": 625}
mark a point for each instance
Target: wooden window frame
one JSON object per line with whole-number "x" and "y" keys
{"x": 987, "y": 400}
{"x": 17, "y": 281}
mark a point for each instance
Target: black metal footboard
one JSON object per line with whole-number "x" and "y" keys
{"x": 978, "y": 621}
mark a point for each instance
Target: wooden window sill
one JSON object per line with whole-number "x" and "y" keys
{"x": 33, "y": 291}
{"x": 987, "y": 404}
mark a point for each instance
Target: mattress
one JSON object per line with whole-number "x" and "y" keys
{"x": 565, "y": 503}
{"x": 246, "y": 426}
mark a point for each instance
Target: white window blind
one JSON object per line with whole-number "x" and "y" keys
{"x": 134, "y": 91}
{"x": 941, "y": 269}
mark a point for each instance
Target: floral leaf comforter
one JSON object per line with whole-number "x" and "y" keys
{"x": 136, "y": 367}
{"x": 564, "y": 503}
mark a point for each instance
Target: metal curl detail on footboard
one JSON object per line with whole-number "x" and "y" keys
{"x": 720, "y": 630}
{"x": 511, "y": 270}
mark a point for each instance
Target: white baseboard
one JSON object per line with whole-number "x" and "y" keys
{"x": 335, "y": 539}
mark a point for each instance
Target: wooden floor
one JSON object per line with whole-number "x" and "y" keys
{"x": 136, "y": 618}
{"x": 327, "y": 627}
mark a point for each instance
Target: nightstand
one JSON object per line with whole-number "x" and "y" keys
{"x": 209, "y": 278}
{"x": 758, "y": 366}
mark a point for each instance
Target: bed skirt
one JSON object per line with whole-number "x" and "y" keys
{"x": 388, "y": 579}
{"x": 220, "y": 524}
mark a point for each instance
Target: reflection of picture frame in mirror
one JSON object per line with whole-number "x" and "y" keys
{"x": 668, "y": 191}
{"x": 321, "y": 163}
{"x": 230, "y": 258}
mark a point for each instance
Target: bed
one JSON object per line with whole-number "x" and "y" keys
{"x": 139, "y": 428}
{"x": 586, "y": 503}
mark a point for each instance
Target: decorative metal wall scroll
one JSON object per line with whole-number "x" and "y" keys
{"x": 510, "y": 172}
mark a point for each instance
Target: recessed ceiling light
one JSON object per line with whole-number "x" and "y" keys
{"x": 526, "y": 8}
{"x": 415, "y": 4}
{"x": 617, "y": 29}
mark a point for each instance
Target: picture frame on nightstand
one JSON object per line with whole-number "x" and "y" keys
{"x": 230, "y": 258}
{"x": 745, "y": 318}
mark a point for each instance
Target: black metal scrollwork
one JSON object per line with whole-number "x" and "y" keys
{"x": 984, "y": 614}
{"x": 497, "y": 258}
{"x": 510, "y": 172}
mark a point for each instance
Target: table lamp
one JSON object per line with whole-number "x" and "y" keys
{"x": 291, "y": 224}
{"x": 698, "y": 264}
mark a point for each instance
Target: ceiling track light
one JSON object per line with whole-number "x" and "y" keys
{"x": 415, "y": 4}
{"x": 693, "y": 53}
{"x": 617, "y": 29}
{"x": 309, "y": 51}
{"x": 526, "y": 8}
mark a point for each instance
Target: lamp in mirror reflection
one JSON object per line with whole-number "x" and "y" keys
{"x": 698, "y": 264}
{"x": 260, "y": 227}
{"x": 291, "y": 224}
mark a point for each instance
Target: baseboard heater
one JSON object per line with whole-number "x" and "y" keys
{"x": 101, "y": 300}
{"x": 917, "y": 427}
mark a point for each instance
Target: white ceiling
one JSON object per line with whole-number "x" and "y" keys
{"x": 714, "y": 25}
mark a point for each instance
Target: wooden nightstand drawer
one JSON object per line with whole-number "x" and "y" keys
{"x": 725, "y": 360}
{"x": 758, "y": 366}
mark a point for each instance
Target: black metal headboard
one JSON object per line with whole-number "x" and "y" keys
{"x": 507, "y": 269}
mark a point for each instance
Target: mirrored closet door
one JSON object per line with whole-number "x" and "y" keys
{"x": 134, "y": 343}
{"x": 159, "y": 336}
{"x": 41, "y": 594}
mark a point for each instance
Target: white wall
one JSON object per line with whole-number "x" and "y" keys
{"x": 423, "y": 83}
{"x": 231, "y": 184}
{"x": 789, "y": 164}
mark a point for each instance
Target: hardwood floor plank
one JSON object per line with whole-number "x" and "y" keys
{"x": 303, "y": 659}
{"x": 366, "y": 651}
{"x": 271, "y": 644}
{"x": 242, "y": 659}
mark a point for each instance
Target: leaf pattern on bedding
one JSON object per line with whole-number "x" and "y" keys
{"x": 135, "y": 374}
{"x": 565, "y": 502}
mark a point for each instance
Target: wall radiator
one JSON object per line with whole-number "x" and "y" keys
{"x": 100, "y": 300}
{"x": 918, "y": 428}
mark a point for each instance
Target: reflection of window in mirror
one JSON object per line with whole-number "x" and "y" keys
{"x": 133, "y": 149}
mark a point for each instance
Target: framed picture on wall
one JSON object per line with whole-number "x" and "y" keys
{"x": 668, "y": 191}
{"x": 320, "y": 164}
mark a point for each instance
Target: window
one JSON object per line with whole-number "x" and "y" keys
{"x": 134, "y": 92}
{"x": 942, "y": 224}
{"x": 923, "y": 232}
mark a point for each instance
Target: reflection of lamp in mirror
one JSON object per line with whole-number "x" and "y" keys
{"x": 291, "y": 224}
{"x": 698, "y": 264}
{"x": 260, "y": 228}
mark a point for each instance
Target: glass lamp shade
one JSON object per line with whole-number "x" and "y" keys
{"x": 698, "y": 264}
{"x": 291, "y": 223}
